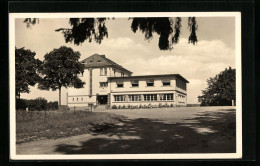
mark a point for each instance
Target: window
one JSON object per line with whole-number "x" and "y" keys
{"x": 99, "y": 61}
{"x": 81, "y": 99}
{"x": 103, "y": 84}
{"x": 119, "y": 97}
{"x": 166, "y": 97}
{"x": 122, "y": 74}
{"x": 166, "y": 82}
{"x": 134, "y": 97}
{"x": 72, "y": 99}
{"x": 120, "y": 84}
{"x": 150, "y": 97}
{"x": 150, "y": 83}
{"x": 105, "y": 72}
{"x": 134, "y": 83}
{"x": 77, "y": 99}
{"x": 90, "y": 61}
{"x": 114, "y": 72}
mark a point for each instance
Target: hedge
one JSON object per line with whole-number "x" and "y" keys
{"x": 38, "y": 104}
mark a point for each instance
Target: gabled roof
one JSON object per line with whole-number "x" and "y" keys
{"x": 96, "y": 60}
{"x": 150, "y": 77}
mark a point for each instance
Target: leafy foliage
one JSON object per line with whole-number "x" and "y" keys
{"x": 38, "y": 104}
{"x": 221, "y": 89}
{"x": 85, "y": 29}
{"x": 89, "y": 29}
{"x": 26, "y": 68}
{"x": 60, "y": 69}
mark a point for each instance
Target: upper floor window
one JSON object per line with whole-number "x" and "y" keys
{"x": 114, "y": 72}
{"x": 122, "y": 74}
{"x": 150, "y": 83}
{"x": 103, "y": 84}
{"x": 166, "y": 82}
{"x": 103, "y": 71}
{"x": 134, "y": 83}
{"x": 120, "y": 84}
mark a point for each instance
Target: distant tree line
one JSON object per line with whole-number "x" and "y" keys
{"x": 38, "y": 104}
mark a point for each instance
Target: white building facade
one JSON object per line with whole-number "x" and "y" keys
{"x": 108, "y": 83}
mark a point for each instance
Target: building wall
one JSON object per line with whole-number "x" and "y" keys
{"x": 179, "y": 93}
{"x": 82, "y": 97}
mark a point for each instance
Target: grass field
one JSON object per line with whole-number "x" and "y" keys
{"x": 40, "y": 125}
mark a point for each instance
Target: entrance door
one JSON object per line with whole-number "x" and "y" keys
{"x": 102, "y": 99}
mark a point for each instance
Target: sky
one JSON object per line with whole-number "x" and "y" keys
{"x": 214, "y": 51}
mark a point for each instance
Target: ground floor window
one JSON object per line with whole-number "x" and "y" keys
{"x": 119, "y": 97}
{"x": 150, "y": 97}
{"x": 166, "y": 97}
{"x": 134, "y": 97}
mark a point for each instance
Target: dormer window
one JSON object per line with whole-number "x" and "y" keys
{"x": 98, "y": 61}
{"x": 90, "y": 61}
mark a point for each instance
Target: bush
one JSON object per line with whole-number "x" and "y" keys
{"x": 171, "y": 105}
{"x": 114, "y": 107}
{"x": 52, "y": 105}
{"x": 123, "y": 107}
{"x": 38, "y": 104}
{"x": 21, "y": 104}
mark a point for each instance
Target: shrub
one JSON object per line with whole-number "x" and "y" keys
{"x": 128, "y": 106}
{"x": 52, "y": 105}
{"x": 123, "y": 107}
{"x": 114, "y": 107}
{"x": 37, "y": 104}
{"x": 171, "y": 105}
{"x": 140, "y": 106}
{"x": 21, "y": 104}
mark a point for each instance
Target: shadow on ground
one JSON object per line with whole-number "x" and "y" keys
{"x": 208, "y": 133}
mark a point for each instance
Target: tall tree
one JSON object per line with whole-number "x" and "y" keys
{"x": 26, "y": 70}
{"x": 89, "y": 29}
{"x": 221, "y": 89}
{"x": 60, "y": 69}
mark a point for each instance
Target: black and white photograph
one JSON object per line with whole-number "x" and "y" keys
{"x": 162, "y": 85}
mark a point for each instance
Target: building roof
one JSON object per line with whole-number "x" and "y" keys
{"x": 96, "y": 60}
{"x": 150, "y": 76}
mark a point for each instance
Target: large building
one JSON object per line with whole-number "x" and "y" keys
{"x": 108, "y": 83}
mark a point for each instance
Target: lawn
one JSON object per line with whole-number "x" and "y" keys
{"x": 40, "y": 125}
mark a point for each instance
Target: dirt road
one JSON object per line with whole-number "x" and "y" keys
{"x": 174, "y": 130}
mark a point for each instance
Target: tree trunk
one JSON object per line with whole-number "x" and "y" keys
{"x": 59, "y": 96}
